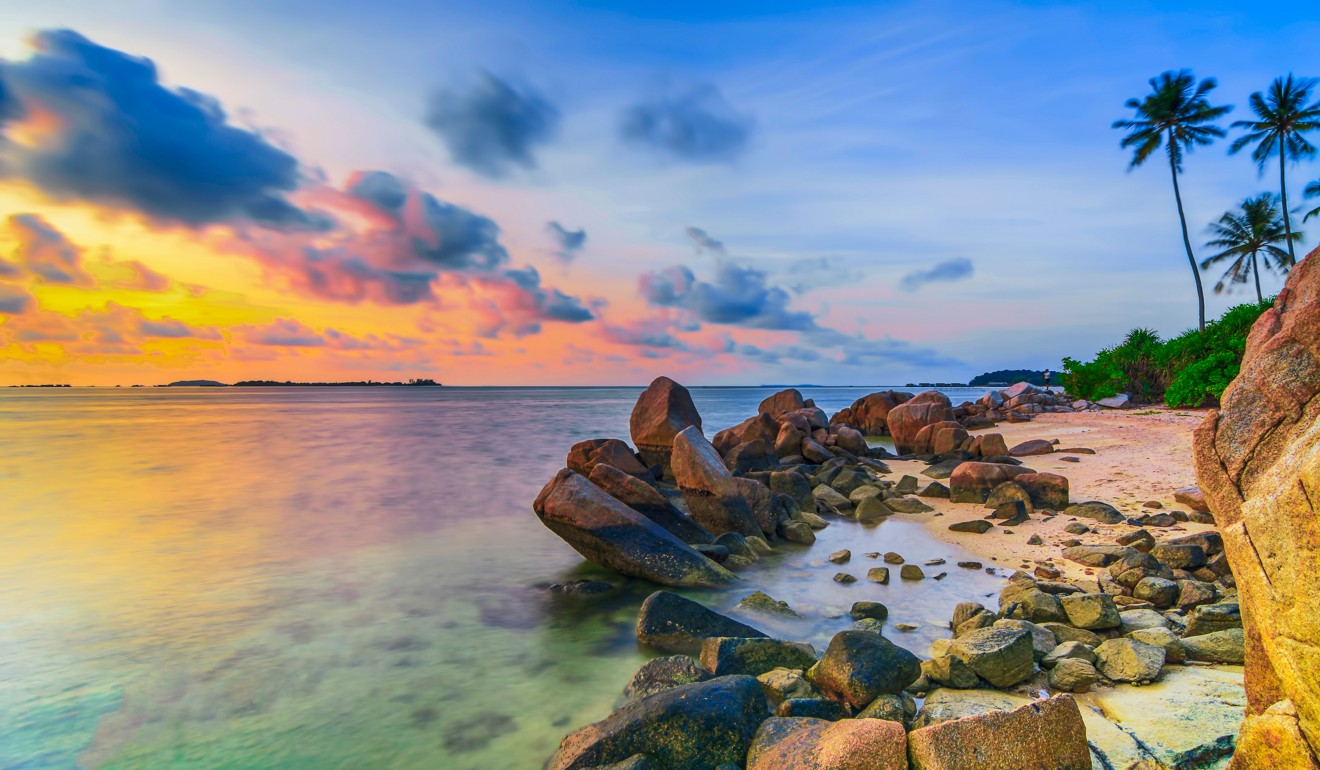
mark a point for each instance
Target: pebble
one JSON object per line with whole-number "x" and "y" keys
{"x": 839, "y": 557}
{"x": 970, "y": 564}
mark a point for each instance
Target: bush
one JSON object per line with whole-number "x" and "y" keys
{"x": 1185, "y": 371}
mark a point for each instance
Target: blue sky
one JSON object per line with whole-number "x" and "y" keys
{"x": 853, "y": 145}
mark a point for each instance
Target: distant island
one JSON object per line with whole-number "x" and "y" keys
{"x": 291, "y": 384}
{"x": 1008, "y": 377}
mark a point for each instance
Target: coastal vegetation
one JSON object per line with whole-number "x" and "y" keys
{"x": 1008, "y": 376}
{"x": 1188, "y": 370}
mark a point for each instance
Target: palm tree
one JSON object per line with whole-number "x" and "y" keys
{"x": 1312, "y": 191}
{"x": 1256, "y": 229}
{"x": 1175, "y": 115}
{"x": 1282, "y": 116}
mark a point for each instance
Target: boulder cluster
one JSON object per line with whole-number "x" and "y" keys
{"x": 730, "y": 696}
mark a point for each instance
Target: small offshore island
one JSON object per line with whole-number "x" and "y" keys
{"x": 1117, "y": 640}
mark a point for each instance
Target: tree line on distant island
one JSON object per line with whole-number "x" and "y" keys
{"x": 1177, "y": 116}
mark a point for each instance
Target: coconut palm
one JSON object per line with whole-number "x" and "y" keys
{"x": 1248, "y": 237}
{"x": 1177, "y": 116}
{"x": 1282, "y": 116}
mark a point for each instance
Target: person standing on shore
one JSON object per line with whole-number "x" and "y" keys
{"x": 1047, "y": 379}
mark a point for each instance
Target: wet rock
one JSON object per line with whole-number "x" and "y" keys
{"x": 648, "y": 501}
{"x": 763, "y": 603}
{"x": 672, "y": 623}
{"x": 723, "y": 656}
{"x": 860, "y": 665}
{"x": 1139, "y": 539}
{"x": 1092, "y": 612}
{"x": 894, "y": 708}
{"x": 1024, "y": 600}
{"x": 1043, "y": 735}
{"x": 865, "y": 609}
{"x": 844, "y": 577}
{"x": 1066, "y": 650}
{"x": 1180, "y": 556}
{"x": 872, "y": 509}
{"x": 1128, "y": 660}
{"x": 878, "y": 575}
{"x": 661, "y": 674}
{"x": 911, "y": 572}
{"x": 832, "y": 498}
{"x": 907, "y": 505}
{"x": 840, "y": 557}
{"x": 663, "y": 410}
{"x": 893, "y": 558}
{"x": 799, "y": 532}
{"x": 694, "y": 725}
{"x": 1042, "y": 640}
{"x": 607, "y": 532}
{"x": 1001, "y": 656}
{"x": 766, "y": 510}
{"x": 795, "y": 486}
{"x": 851, "y": 744}
{"x": 709, "y": 489}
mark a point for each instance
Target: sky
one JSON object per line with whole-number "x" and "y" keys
{"x": 529, "y": 193}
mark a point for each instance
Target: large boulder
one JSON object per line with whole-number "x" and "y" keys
{"x": 1258, "y": 465}
{"x": 585, "y": 455}
{"x": 782, "y": 403}
{"x": 659, "y": 674}
{"x": 647, "y": 500}
{"x": 815, "y": 744}
{"x": 611, "y": 534}
{"x": 1043, "y": 735}
{"x": 661, "y": 412}
{"x": 698, "y": 725}
{"x": 1000, "y": 655}
{"x": 1046, "y": 490}
{"x": 672, "y": 623}
{"x": 907, "y": 419}
{"x": 1128, "y": 660}
{"x": 762, "y": 427}
{"x": 973, "y": 482}
{"x": 723, "y": 655}
{"x": 858, "y": 666}
{"x": 870, "y": 413}
{"x": 708, "y": 488}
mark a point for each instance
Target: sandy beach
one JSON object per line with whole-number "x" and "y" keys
{"x": 1140, "y": 455}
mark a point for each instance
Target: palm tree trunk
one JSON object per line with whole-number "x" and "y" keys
{"x": 1283, "y": 193}
{"x": 1187, "y": 241}
{"x": 1255, "y": 271}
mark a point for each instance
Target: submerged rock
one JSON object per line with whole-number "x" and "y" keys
{"x": 670, "y": 622}
{"x": 609, "y": 533}
{"x": 661, "y": 674}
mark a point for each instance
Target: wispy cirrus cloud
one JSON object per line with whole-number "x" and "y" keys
{"x": 948, "y": 271}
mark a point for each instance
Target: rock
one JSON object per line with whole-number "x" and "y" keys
{"x": 860, "y": 665}
{"x": 1043, "y": 735}
{"x": 1042, "y": 640}
{"x": 659, "y": 674}
{"x": 751, "y": 456}
{"x": 1011, "y": 513}
{"x": 1091, "y": 611}
{"x": 991, "y": 445}
{"x": 870, "y": 413}
{"x": 1073, "y": 675}
{"x": 911, "y": 572}
{"x": 1024, "y": 600}
{"x": 1194, "y": 593}
{"x": 1161, "y": 637}
{"x": 943, "y": 469}
{"x": 815, "y": 708}
{"x": 1101, "y": 512}
{"x": 1139, "y": 539}
{"x": 759, "y": 428}
{"x": 781, "y": 403}
{"x": 647, "y": 500}
{"x": 878, "y": 575}
{"x": 1001, "y": 656}
{"x": 781, "y": 684}
{"x": 1133, "y": 620}
{"x": 1045, "y": 490}
{"x": 763, "y": 603}
{"x": 1274, "y": 740}
{"x": 799, "y": 532}
{"x": 1209, "y": 618}
{"x": 1066, "y": 633}
{"x": 607, "y": 532}
{"x": 851, "y": 441}
{"x": 891, "y": 557}
{"x": 894, "y": 708}
{"x": 934, "y": 490}
{"x": 815, "y": 452}
{"x": 788, "y": 441}
{"x": 1007, "y": 492}
{"x": 767, "y": 511}
{"x": 795, "y": 486}
{"x": 708, "y": 488}
{"x": 950, "y": 671}
{"x": 1121, "y": 401}
{"x": 865, "y": 609}
{"x": 973, "y": 482}
{"x": 832, "y": 498}
{"x": 672, "y": 623}
{"x": 851, "y": 744}
{"x": 1066, "y": 650}
{"x": 1185, "y": 556}
{"x": 663, "y": 410}
{"x": 694, "y": 725}
{"x": 979, "y": 526}
{"x": 723, "y": 656}
{"x": 908, "y": 418}
{"x": 1076, "y": 528}
{"x": 1192, "y": 497}
{"x": 1097, "y": 555}
{"x": 586, "y": 455}
{"x": 1157, "y": 591}
{"x": 1035, "y": 446}
{"x": 840, "y": 557}
{"x": 872, "y": 509}
{"x": 1128, "y": 660}
{"x": 907, "y": 505}
{"x": 844, "y": 577}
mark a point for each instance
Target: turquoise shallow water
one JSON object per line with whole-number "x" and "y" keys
{"x": 340, "y": 578}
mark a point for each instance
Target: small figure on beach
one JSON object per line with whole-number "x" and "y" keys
{"x": 1047, "y": 379}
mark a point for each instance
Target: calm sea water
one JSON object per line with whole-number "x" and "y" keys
{"x": 341, "y": 578}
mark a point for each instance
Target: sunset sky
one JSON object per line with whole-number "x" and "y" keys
{"x": 531, "y": 193}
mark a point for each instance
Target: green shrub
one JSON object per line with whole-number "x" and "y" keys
{"x": 1093, "y": 380}
{"x": 1204, "y": 379}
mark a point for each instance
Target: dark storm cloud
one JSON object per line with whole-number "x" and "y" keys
{"x": 492, "y": 127}
{"x": 120, "y": 138}
{"x": 457, "y": 239}
{"x": 696, "y": 125}
{"x": 943, "y": 272}
{"x": 568, "y": 243}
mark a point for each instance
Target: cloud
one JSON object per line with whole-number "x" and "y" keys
{"x": 739, "y": 295}
{"x": 111, "y": 134}
{"x": 695, "y": 125}
{"x": 112, "y": 330}
{"x": 492, "y": 127}
{"x": 568, "y": 243}
{"x": 704, "y": 242}
{"x": 943, "y": 272}
{"x": 14, "y": 299}
{"x": 380, "y": 188}
{"x": 144, "y": 278}
{"x": 43, "y": 252}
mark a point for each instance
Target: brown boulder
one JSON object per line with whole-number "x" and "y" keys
{"x": 661, "y": 411}
{"x": 991, "y": 445}
{"x": 585, "y": 455}
{"x": 782, "y": 403}
{"x": 1258, "y": 464}
{"x": 973, "y": 482}
{"x": 815, "y": 744}
{"x": 1047, "y": 490}
{"x": 924, "y": 442}
{"x": 647, "y": 500}
{"x": 609, "y": 533}
{"x": 870, "y": 413}
{"x": 1036, "y": 446}
{"x": 759, "y": 428}
{"x": 908, "y": 418}
{"x": 711, "y": 493}
{"x": 1044, "y": 735}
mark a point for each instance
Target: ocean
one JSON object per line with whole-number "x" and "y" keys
{"x": 318, "y": 578}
